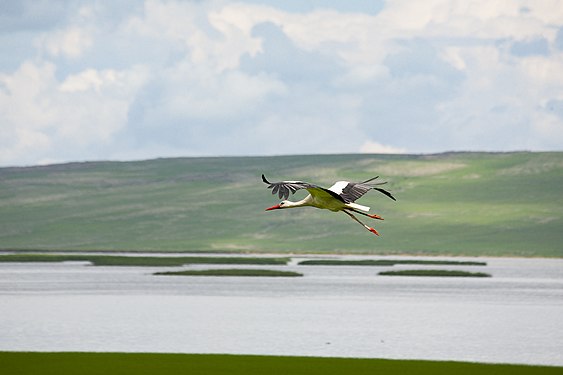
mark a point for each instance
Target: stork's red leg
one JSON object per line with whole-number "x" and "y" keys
{"x": 368, "y": 215}
{"x": 375, "y": 217}
{"x": 372, "y": 230}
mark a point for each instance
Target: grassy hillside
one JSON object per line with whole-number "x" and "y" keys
{"x": 456, "y": 203}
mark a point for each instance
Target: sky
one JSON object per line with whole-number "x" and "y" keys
{"x": 130, "y": 80}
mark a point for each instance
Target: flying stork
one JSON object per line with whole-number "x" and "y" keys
{"x": 339, "y": 197}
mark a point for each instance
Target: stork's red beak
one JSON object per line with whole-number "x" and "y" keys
{"x": 277, "y": 206}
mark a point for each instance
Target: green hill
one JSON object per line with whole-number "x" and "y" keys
{"x": 454, "y": 203}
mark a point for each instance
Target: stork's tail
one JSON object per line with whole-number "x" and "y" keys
{"x": 356, "y": 206}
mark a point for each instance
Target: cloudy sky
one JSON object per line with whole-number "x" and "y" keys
{"x": 126, "y": 80}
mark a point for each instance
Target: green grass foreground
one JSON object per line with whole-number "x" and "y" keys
{"x": 434, "y": 273}
{"x": 17, "y": 363}
{"x": 141, "y": 261}
{"x": 232, "y": 272}
{"x": 386, "y": 262}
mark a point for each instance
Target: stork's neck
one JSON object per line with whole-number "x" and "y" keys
{"x": 303, "y": 202}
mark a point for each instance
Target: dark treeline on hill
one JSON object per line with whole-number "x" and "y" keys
{"x": 497, "y": 204}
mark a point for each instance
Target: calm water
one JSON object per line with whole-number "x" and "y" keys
{"x": 516, "y": 316}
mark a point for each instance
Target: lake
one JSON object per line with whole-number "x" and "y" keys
{"x": 343, "y": 311}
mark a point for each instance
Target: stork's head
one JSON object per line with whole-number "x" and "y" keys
{"x": 282, "y": 204}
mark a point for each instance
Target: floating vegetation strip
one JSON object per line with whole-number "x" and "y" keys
{"x": 232, "y": 272}
{"x": 434, "y": 273}
{"x": 143, "y": 261}
{"x": 387, "y": 262}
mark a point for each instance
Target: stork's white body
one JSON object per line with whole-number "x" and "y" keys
{"x": 325, "y": 201}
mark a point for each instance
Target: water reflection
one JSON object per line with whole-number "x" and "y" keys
{"x": 514, "y": 317}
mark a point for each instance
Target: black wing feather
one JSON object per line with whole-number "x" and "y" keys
{"x": 385, "y": 192}
{"x": 284, "y": 188}
{"x": 355, "y": 190}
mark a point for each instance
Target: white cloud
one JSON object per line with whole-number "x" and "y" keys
{"x": 70, "y": 43}
{"x": 545, "y": 72}
{"x": 211, "y": 38}
{"x": 371, "y": 147}
{"x": 549, "y": 128}
{"x": 21, "y": 100}
{"x": 43, "y": 113}
{"x": 223, "y": 96}
{"x": 87, "y": 79}
{"x": 158, "y": 78}
{"x": 18, "y": 143}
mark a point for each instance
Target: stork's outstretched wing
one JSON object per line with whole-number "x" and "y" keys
{"x": 283, "y": 188}
{"x": 352, "y": 191}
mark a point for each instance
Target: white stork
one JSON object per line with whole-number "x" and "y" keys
{"x": 339, "y": 197}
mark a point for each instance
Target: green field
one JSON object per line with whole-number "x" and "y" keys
{"x": 494, "y": 204}
{"x": 13, "y": 363}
